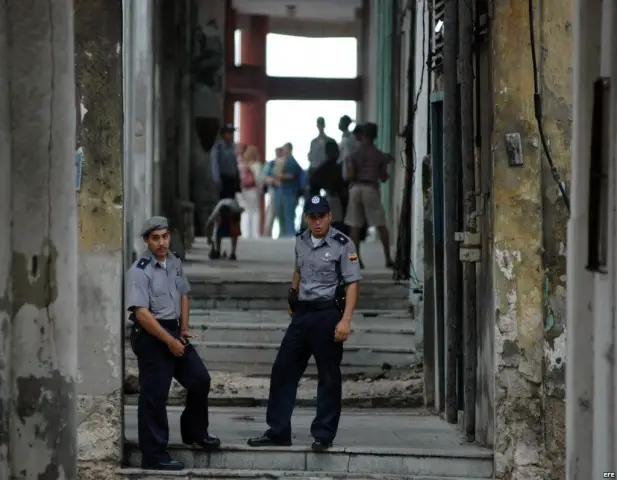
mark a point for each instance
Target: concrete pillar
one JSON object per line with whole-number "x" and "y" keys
{"x": 207, "y": 81}
{"x": 580, "y": 400}
{"x": 253, "y": 113}
{"x": 38, "y": 178}
{"x": 5, "y": 249}
{"x": 230, "y": 56}
{"x": 139, "y": 111}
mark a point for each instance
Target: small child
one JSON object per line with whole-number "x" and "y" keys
{"x": 226, "y": 215}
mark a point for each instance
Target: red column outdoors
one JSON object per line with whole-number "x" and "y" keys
{"x": 253, "y": 113}
{"x": 230, "y": 51}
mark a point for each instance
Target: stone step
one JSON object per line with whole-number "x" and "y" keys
{"x": 375, "y": 442}
{"x": 246, "y": 357}
{"x": 254, "y": 289}
{"x": 365, "y": 318}
{"x": 392, "y": 389}
{"x": 406, "y": 462}
{"x": 265, "y": 369}
{"x": 365, "y": 302}
{"x": 267, "y": 333}
{"x": 189, "y": 474}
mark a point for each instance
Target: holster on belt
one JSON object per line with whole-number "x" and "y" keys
{"x": 339, "y": 298}
{"x": 136, "y": 331}
{"x": 292, "y": 299}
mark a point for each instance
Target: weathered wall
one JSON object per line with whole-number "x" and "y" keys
{"x": 98, "y": 26}
{"x": 556, "y": 87}
{"x": 5, "y": 249}
{"x": 529, "y": 223}
{"x": 41, "y": 233}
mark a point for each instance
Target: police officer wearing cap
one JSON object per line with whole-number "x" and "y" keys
{"x": 322, "y": 299}
{"x": 156, "y": 292}
{"x": 224, "y": 164}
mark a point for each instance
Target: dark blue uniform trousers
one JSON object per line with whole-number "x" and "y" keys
{"x": 311, "y": 332}
{"x": 157, "y": 367}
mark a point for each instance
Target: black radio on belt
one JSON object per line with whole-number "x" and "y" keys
{"x": 292, "y": 298}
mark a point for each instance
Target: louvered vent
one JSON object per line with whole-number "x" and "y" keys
{"x": 438, "y": 11}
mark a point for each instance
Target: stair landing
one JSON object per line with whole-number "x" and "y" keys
{"x": 407, "y": 444}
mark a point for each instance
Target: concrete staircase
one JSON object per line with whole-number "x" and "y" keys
{"x": 411, "y": 446}
{"x": 238, "y": 312}
{"x": 246, "y": 341}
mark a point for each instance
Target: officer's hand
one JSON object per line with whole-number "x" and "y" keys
{"x": 342, "y": 331}
{"x": 186, "y": 334}
{"x": 176, "y": 347}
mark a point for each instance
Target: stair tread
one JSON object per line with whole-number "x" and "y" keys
{"x": 475, "y": 453}
{"x": 268, "y": 346}
{"x": 222, "y": 473}
{"x": 278, "y": 326}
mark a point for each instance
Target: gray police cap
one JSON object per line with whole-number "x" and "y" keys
{"x": 152, "y": 224}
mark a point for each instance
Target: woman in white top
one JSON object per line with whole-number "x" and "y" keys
{"x": 250, "y": 168}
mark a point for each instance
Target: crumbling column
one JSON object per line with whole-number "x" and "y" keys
{"x": 43, "y": 239}
{"x": 98, "y": 78}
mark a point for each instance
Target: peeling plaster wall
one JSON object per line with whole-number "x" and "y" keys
{"x": 98, "y": 25}
{"x": 43, "y": 239}
{"x": 529, "y": 228}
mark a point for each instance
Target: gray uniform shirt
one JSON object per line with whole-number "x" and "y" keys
{"x": 224, "y": 161}
{"x": 156, "y": 287}
{"x": 324, "y": 266}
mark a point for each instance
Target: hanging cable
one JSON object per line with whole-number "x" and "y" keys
{"x": 537, "y": 106}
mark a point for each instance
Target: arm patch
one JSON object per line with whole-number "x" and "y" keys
{"x": 342, "y": 239}
{"x": 143, "y": 263}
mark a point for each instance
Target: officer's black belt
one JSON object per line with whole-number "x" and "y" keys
{"x": 314, "y": 305}
{"x": 171, "y": 323}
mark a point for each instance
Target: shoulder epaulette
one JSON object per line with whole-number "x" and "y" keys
{"x": 342, "y": 239}
{"x": 299, "y": 233}
{"x": 143, "y": 263}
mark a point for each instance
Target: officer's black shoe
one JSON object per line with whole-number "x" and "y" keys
{"x": 209, "y": 443}
{"x": 266, "y": 441}
{"x": 214, "y": 255}
{"x": 320, "y": 445}
{"x": 232, "y": 257}
{"x": 169, "y": 465}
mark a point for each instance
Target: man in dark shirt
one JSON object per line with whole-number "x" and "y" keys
{"x": 366, "y": 169}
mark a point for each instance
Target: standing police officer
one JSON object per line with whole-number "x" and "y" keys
{"x": 157, "y": 292}
{"x": 322, "y": 299}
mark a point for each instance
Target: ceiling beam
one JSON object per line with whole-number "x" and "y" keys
{"x": 245, "y": 81}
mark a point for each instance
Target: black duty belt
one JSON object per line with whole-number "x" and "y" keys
{"x": 315, "y": 305}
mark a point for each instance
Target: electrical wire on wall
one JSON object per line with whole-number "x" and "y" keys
{"x": 403, "y": 265}
{"x": 537, "y": 106}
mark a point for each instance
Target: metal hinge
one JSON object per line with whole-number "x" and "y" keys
{"x": 471, "y": 246}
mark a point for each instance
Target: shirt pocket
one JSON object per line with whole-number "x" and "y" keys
{"x": 180, "y": 286}
{"x": 160, "y": 286}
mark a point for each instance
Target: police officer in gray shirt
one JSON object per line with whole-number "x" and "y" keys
{"x": 322, "y": 299}
{"x": 156, "y": 293}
